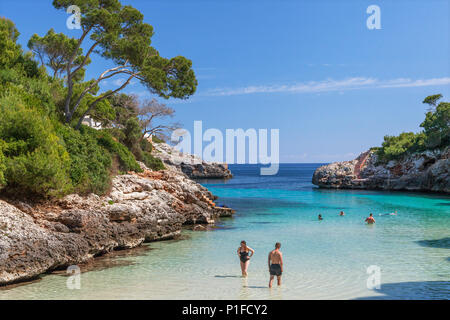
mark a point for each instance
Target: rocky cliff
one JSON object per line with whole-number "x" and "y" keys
{"x": 426, "y": 171}
{"x": 36, "y": 238}
{"x": 193, "y": 166}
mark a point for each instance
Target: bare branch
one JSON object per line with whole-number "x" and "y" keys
{"x": 69, "y": 76}
{"x": 149, "y": 112}
{"x": 102, "y": 77}
{"x": 85, "y": 58}
{"x": 93, "y": 104}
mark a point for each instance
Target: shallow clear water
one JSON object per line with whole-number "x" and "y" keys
{"x": 323, "y": 260}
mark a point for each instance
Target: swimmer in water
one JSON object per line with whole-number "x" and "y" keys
{"x": 389, "y": 214}
{"x": 342, "y": 214}
{"x": 320, "y": 217}
{"x": 245, "y": 253}
{"x": 370, "y": 219}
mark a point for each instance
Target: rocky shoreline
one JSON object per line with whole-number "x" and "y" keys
{"x": 40, "y": 237}
{"x": 425, "y": 172}
{"x": 193, "y": 166}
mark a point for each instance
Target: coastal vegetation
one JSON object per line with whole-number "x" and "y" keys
{"x": 45, "y": 150}
{"x": 435, "y": 133}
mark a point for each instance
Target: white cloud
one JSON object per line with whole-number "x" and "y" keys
{"x": 119, "y": 82}
{"x": 403, "y": 83}
{"x": 329, "y": 85}
{"x": 140, "y": 94}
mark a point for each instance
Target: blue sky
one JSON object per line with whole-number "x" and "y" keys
{"x": 312, "y": 69}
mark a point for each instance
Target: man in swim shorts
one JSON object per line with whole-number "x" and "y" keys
{"x": 275, "y": 264}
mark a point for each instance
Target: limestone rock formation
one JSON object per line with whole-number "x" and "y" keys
{"x": 36, "y": 238}
{"x": 425, "y": 171}
{"x": 193, "y": 166}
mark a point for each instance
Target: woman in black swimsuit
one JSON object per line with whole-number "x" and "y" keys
{"x": 245, "y": 253}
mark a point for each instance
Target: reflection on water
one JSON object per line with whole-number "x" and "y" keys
{"x": 323, "y": 260}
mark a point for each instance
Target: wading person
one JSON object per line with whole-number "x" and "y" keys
{"x": 275, "y": 264}
{"x": 370, "y": 219}
{"x": 245, "y": 253}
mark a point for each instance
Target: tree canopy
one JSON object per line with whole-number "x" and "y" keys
{"x": 435, "y": 133}
{"x": 54, "y": 51}
{"x": 40, "y": 154}
{"x": 432, "y": 100}
{"x": 10, "y": 49}
{"x": 118, "y": 33}
{"x": 437, "y": 126}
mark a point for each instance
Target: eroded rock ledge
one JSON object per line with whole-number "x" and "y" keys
{"x": 426, "y": 171}
{"x": 36, "y": 238}
{"x": 193, "y": 166}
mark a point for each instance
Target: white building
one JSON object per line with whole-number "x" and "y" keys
{"x": 88, "y": 121}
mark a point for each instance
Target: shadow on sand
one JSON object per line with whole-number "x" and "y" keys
{"x": 422, "y": 290}
{"x": 227, "y": 276}
{"x": 443, "y": 243}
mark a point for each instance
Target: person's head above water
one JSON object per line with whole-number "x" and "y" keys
{"x": 342, "y": 213}
{"x": 320, "y": 217}
{"x": 371, "y": 215}
{"x": 277, "y": 245}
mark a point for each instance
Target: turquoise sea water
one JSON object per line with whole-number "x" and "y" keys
{"x": 323, "y": 259}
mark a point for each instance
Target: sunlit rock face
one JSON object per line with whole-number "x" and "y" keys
{"x": 425, "y": 171}
{"x": 193, "y": 166}
{"x": 150, "y": 206}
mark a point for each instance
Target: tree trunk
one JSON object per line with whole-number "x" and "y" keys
{"x": 93, "y": 104}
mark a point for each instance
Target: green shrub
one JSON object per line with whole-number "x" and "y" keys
{"x": 10, "y": 51}
{"x": 152, "y": 162}
{"x": 126, "y": 158}
{"x": 133, "y": 133}
{"x": 36, "y": 160}
{"x": 146, "y": 146}
{"x": 436, "y": 133}
{"x": 437, "y": 126}
{"x": 38, "y": 154}
{"x": 2, "y": 164}
{"x": 155, "y": 139}
{"x": 90, "y": 163}
{"x": 395, "y": 147}
{"x": 116, "y": 133}
{"x": 34, "y": 93}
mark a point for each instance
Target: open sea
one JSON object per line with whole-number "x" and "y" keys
{"x": 408, "y": 255}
